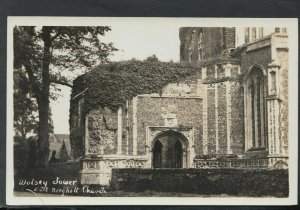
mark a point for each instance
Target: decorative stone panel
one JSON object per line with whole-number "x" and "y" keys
{"x": 237, "y": 118}
{"x": 98, "y": 171}
{"x": 101, "y": 138}
{"x": 211, "y": 119}
{"x": 222, "y": 119}
{"x": 150, "y": 113}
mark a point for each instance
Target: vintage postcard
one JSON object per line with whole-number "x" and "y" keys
{"x": 152, "y": 111}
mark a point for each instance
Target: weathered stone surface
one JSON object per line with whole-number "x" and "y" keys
{"x": 261, "y": 57}
{"x": 210, "y": 41}
{"x": 98, "y": 171}
{"x": 130, "y": 128}
{"x": 150, "y": 114}
{"x": 101, "y": 137}
{"x": 237, "y": 118}
{"x": 211, "y": 119}
{"x": 222, "y": 117}
{"x": 282, "y": 55}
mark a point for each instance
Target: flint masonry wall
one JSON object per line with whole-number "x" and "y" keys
{"x": 225, "y": 116}
{"x": 186, "y": 98}
{"x": 188, "y": 113}
{"x": 282, "y": 56}
{"x": 224, "y": 101}
{"x": 217, "y": 115}
{"x": 237, "y": 118}
{"x": 102, "y": 132}
{"x": 260, "y": 56}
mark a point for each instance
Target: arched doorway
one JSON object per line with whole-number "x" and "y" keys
{"x": 169, "y": 150}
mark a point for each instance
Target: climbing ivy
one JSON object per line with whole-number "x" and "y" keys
{"x": 110, "y": 85}
{"x": 222, "y": 79}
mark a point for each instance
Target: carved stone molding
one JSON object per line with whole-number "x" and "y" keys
{"x": 186, "y": 132}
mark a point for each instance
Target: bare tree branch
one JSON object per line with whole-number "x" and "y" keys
{"x": 61, "y": 83}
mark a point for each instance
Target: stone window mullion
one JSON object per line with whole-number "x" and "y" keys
{"x": 256, "y": 113}
{"x": 246, "y": 113}
{"x": 262, "y": 118}
{"x": 252, "y": 113}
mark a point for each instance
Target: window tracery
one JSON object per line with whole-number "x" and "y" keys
{"x": 254, "y": 109}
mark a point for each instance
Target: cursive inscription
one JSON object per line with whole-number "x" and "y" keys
{"x": 59, "y": 186}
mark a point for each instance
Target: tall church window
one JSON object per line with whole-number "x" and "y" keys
{"x": 200, "y": 46}
{"x": 190, "y": 52}
{"x": 258, "y": 108}
{"x": 191, "y": 46}
{"x": 254, "y": 109}
{"x": 247, "y": 34}
{"x": 252, "y": 101}
{"x": 253, "y": 34}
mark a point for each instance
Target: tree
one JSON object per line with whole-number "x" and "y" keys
{"x": 25, "y": 108}
{"x": 47, "y": 53}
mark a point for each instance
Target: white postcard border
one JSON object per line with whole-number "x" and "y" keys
{"x": 290, "y": 23}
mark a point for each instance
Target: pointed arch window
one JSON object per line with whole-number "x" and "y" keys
{"x": 254, "y": 92}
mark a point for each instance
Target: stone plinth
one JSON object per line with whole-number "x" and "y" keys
{"x": 98, "y": 170}
{"x": 278, "y": 161}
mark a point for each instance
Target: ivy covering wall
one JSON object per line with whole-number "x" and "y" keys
{"x": 109, "y": 86}
{"x": 112, "y": 84}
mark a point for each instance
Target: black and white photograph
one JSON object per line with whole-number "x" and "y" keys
{"x": 198, "y": 110}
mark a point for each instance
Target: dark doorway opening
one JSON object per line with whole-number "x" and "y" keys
{"x": 178, "y": 154}
{"x": 168, "y": 150}
{"x": 157, "y": 154}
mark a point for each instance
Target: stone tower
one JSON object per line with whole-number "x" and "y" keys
{"x": 203, "y": 43}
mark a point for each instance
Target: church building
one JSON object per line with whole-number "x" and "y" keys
{"x": 233, "y": 113}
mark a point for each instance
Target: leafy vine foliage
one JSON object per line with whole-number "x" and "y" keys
{"x": 110, "y": 85}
